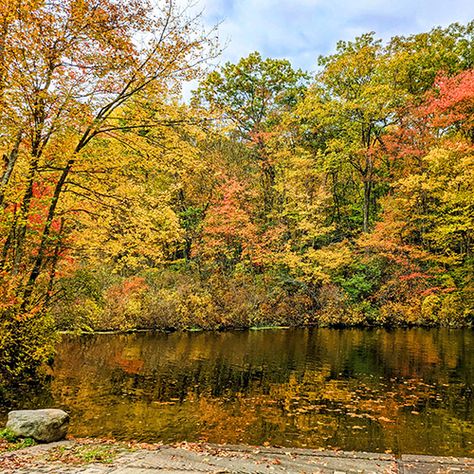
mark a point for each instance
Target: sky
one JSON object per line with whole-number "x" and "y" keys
{"x": 301, "y": 30}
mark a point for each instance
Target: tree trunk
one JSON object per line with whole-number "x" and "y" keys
{"x": 54, "y": 264}
{"x": 38, "y": 262}
{"x": 10, "y": 164}
{"x": 366, "y": 204}
{"x": 268, "y": 182}
{"x": 24, "y": 210}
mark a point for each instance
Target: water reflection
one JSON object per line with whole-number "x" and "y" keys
{"x": 406, "y": 391}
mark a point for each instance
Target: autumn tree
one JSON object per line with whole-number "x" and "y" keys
{"x": 87, "y": 66}
{"x": 250, "y": 97}
{"x": 69, "y": 72}
{"x": 351, "y": 107}
{"x": 426, "y": 226}
{"x": 416, "y": 60}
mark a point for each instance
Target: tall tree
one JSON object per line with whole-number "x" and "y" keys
{"x": 250, "y": 96}
{"x": 346, "y": 114}
{"x": 417, "y": 59}
{"x": 71, "y": 67}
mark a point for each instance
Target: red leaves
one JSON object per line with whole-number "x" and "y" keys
{"x": 260, "y": 137}
{"x": 42, "y": 195}
{"x": 452, "y": 101}
{"x": 134, "y": 284}
{"x": 130, "y": 287}
{"x": 415, "y": 275}
{"x": 437, "y": 289}
{"x": 228, "y": 228}
{"x": 449, "y": 104}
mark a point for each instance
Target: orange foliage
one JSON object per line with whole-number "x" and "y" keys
{"x": 228, "y": 230}
{"x": 452, "y": 101}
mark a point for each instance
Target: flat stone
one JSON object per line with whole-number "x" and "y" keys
{"x": 413, "y": 464}
{"x": 45, "y": 426}
{"x": 217, "y": 459}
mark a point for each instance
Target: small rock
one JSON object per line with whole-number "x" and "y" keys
{"x": 42, "y": 425}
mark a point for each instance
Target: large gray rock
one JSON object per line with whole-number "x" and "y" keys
{"x": 42, "y": 425}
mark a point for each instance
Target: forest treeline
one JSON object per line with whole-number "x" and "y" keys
{"x": 274, "y": 197}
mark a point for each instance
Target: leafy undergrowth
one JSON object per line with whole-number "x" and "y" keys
{"x": 85, "y": 453}
{"x": 10, "y": 442}
{"x": 90, "y": 450}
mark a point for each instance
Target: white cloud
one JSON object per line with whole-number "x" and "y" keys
{"x": 301, "y": 30}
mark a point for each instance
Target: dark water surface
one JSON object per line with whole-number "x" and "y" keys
{"x": 407, "y": 391}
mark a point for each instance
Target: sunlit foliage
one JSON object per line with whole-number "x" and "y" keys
{"x": 273, "y": 197}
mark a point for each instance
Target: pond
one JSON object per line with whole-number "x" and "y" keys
{"x": 401, "y": 391}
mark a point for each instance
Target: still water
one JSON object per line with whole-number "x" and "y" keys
{"x": 404, "y": 391}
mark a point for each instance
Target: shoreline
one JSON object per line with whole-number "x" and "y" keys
{"x": 253, "y": 328}
{"x": 106, "y": 456}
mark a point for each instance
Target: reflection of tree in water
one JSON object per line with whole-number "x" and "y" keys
{"x": 25, "y": 395}
{"x": 403, "y": 390}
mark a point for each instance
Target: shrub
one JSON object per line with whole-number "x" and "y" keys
{"x": 26, "y": 343}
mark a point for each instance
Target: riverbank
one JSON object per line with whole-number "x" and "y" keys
{"x": 184, "y": 299}
{"x": 229, "y": 329}
{"x": 101, "y": 457}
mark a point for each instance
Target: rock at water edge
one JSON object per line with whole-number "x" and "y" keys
{"x": 42, "y": 425}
